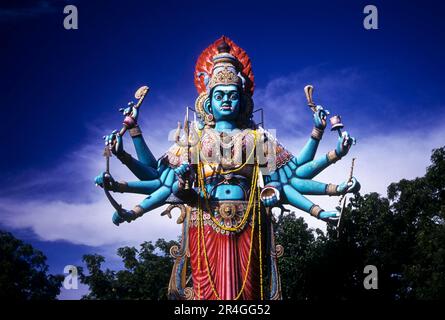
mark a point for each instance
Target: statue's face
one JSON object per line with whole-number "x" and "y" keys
{"x": 225, "y": 102}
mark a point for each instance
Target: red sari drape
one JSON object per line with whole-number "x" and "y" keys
{"x": 228, "y": 256}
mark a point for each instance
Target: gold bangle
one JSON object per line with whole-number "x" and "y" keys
{"x": 135, "y": 131}
{"x": 121, "y": 186}
{"x": 138, "y": 211}
{"x": 315, "y": 211}
{"x": 316, "y": 134}
{"x": 331, "y": 189}
{"x": 332, "y": 156}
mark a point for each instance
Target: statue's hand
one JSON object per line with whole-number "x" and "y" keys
{"x": 344, "y": 143}
{"x": 320, "y": 117}
{"x": 112, "y": 184}
{"x": 183, "y": 172}
{"x": 124, "y": 215}
{"x": 99, "y": 180}
{"x": 114, "y": 142}
{"x": 329, "y": 216}
{"x": 270, "y": 196}
{"x": 352, "y": 186}
{"x": 131, "y": 115}
{"x": 182, "y": 169}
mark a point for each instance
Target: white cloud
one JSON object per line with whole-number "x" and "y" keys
{"x": 284, "y": 102}
{"x": 77, "y": 211}
{"x": 380, "y": 160}
{"x": 86, "y": 223}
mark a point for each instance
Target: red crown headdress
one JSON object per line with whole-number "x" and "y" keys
{"x": 223, "y": 62}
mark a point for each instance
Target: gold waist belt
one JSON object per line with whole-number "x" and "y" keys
{"x": 228, "y": 214}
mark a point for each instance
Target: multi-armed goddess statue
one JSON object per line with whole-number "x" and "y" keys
{"x": 225, "y": 173}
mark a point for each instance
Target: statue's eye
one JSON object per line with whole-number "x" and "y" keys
{"x": 218, "y": 96}
{"x": 234, "y": 96}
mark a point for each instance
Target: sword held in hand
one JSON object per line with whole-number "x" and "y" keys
{"x": 308, "y": 91}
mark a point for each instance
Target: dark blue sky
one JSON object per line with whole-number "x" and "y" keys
{"x": 56, "y": 86}
{"x": 55, "y": 81}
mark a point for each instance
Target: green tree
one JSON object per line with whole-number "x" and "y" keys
{"x": 24, "y": 273}
{"x": 403, "y": 235}
{"x": 421, "y": 205}
{"x": 145, "y": 275}
{"x": 300, "y": 250}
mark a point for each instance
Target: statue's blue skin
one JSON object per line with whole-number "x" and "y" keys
{"x": 225, "y": 106}
{"x": 287, "y": 185}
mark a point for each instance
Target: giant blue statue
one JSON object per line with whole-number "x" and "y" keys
{"x": 225, "y": 173}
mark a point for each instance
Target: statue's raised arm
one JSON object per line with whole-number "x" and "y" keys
{"x": 156, "y": 179}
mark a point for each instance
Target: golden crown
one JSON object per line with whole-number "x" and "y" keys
{"x": 225, "y": 68}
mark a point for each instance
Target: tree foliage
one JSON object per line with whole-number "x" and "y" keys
{"x": 24, "y": 272}
{"x": 145, "y": 275}
{"x": 403, "y": 235}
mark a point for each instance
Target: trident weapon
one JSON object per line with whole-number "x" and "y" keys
{"x": 187, "y": 134}
{"x": 140, "y": 95}
{"x": 191, "y": 139}
{"x": 342, "y": 200}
